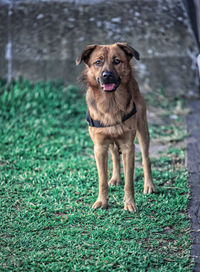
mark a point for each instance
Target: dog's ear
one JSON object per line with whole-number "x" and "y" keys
{"x": 85, "y": 55}
{"x": 129, "y": 51}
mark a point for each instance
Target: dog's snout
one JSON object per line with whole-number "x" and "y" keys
{"x": 107, "y": 74}
{"x": 109, "y": 80}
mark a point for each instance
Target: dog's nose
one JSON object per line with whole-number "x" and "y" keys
{"x": 107, "y": 74}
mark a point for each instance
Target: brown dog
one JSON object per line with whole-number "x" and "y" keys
{"x": 116, "y": 112}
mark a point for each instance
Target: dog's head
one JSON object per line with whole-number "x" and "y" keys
{"x": 108, "y": 66}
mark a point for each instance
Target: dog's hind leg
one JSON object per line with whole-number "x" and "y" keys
{"x": 143, "y": 137}
{"x": 115, "y": 179}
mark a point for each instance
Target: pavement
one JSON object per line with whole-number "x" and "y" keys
{"x": 193, "y": 166}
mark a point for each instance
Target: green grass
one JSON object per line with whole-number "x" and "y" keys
{"x": 49, "y": 181}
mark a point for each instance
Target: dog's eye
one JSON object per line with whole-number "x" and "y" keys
{"x": 98, "y": 63}
{"x": 116, "y": 61}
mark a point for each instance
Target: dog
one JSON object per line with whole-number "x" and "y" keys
{"x": 116, "y": 114}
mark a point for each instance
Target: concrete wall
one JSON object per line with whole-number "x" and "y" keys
{"x": 41, "y": 39}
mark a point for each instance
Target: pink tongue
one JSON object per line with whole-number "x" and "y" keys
{"x": 109, "y": 87}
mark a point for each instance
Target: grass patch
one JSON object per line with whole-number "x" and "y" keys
{"x": 48, "y": 182}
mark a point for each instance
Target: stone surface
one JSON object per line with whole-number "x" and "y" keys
{"x": 193, "y": 165}
{"x": 47, "y": 36}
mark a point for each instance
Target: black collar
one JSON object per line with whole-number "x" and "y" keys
{"x": 96, "y": 123}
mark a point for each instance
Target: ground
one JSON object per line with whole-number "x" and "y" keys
{"x": 193, "y": 163}
{"x": 49, "y": 183}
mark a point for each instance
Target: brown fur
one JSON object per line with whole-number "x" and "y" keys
{"x": 109, "y": 108}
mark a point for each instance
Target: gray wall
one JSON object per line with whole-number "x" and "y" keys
{"x": 41, "y": 39}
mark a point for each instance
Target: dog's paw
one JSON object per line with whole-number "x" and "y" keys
{"x": 130, "y": 206}
{"x": 114, "y": 182}
{"x": 100, "y": 204}
{"x": 149, "y": 188}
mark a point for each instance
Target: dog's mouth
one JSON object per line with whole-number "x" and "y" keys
{"x": 109, "y": 87}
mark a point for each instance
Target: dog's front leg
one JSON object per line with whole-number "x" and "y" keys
{"x": 128, "y": 155}
{"x": 101, "y": 155}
